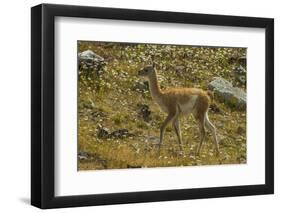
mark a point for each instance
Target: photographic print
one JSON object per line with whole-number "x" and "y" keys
{"x": 159, "y": 105}
{"x": 178, "y": 97}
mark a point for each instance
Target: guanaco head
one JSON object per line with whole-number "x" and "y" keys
{"x": 147, "y": 71}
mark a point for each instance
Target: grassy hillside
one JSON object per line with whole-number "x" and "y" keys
{"x": 119, "y": 123}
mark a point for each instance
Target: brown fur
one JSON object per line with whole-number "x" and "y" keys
{"x": 182, "y": 96}
{"x": 178, "y": 101}
{"x": 211, "y": 95}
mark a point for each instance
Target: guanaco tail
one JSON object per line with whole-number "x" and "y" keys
{"x": 181, "y": 101}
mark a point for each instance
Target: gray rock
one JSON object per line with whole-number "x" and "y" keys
{"x": 240, "y": 70}
{"x": 145, "y": 112}
{"x": 83, "y": 155}
{"x": 92, "y": 157}
{"x": 103, "y": 132}
{"x": 140, "y": 86}
{"x": 89, "y": 56}
{"x": 240, "y": 75}
{"x": 232, "y": 96}
{"x": 90, "y": 60}
{"x": 242, "y": 79}
{"x": 120, "y": 133}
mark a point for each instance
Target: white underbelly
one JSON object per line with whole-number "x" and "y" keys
{"x": 160, "y": 104}
{"x": 163, "y": 108}
{"x": 184, "y": 108}
{"x": 188, "y": 107}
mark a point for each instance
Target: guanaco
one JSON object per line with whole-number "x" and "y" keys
{"x": 181, "y": 101}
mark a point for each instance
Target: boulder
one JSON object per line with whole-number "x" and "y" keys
{"x": 240, "y": 75}
{"x": 240, "y": 70}
{"x": 120, "y": 133}
{"x": 83, "y": 155}
{"x": 242, "y": 79}
{"x": 90, "y": 157}
{"x": 97, "y": 114}
{"x": 145, "y": 112}
{"x": 90, "y": 60}
{"x": 89, "y": 56}
{"x": 227, "y": 93}
{"x": 103, "y": 132}
{"x": 140, "y": 86}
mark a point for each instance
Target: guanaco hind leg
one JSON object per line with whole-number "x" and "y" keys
{"x": 213, "y": 130}
{"x": 176, "y": 125}
{"x": 202, "y": 134}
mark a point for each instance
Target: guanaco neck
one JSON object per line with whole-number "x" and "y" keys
{"x": 154, "y": 86}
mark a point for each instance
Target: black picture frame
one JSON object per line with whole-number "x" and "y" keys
{"x": 43, "y": 105}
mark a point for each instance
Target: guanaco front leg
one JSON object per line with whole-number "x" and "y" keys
{"x": 169, "y": 119}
